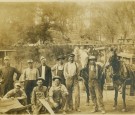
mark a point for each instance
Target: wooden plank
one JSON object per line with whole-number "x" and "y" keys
{"x": 47, "y": 106}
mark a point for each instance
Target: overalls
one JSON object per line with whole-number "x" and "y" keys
{"x": 59, "y": 98}
{"x": 60, "y": 74}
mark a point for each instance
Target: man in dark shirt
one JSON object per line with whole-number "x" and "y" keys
{"x": 45, "y": 73}
{"x": 6, "y": 76}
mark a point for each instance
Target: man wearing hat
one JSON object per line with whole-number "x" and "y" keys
{"x": 95, "y": 79}
{"x": 71, "y": 73}
{"x": 39, "y": 92}
{"x": 58, "y": 69}
{"x": 6, "y": 75}
{"x": 17, "y": 93}
{"x": 45, "y": 72}
{"x": 29, "y": 77}
{"x": 58, "y": 95}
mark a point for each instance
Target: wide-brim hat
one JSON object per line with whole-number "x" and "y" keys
{"x": 60, "y": 57}
{"x": 71, "y": 55}
{"x": 57, "y": 77}
{"x": 40, "y": 78}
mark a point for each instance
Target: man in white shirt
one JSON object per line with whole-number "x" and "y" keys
{"x": 29, "y": 76}
{"x": 45, "y": 73}
{"x": 71, "y": 73}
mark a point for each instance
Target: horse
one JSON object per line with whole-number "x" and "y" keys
{"x": 122, "y": 75}
{"x": 84, "y": 75}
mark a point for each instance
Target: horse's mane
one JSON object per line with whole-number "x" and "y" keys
{"x": 115, "y": 63}
{"x": 120, "y": 68}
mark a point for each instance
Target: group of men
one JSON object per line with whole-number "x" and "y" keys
{"x": 56, "y": 85}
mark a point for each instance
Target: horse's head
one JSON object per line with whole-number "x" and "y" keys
{"x": 114, "y": 62}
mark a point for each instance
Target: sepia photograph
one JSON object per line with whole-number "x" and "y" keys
{"x": 67, "y": 57}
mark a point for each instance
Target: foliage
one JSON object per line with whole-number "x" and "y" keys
{"x": 94, "y": 21}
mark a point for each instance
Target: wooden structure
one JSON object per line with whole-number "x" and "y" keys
{"x": 4, "y": 53}
{"x": 125, "y": 41}
{"x": 127, "y": 58}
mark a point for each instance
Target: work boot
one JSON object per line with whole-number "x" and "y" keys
{"x": 70, "y": 109}
{"x": 94, "y": 110}
{"x": 103, "y": 111}
{"x": 87, "y": 104}
{"x": 64, "y": 113}
{"x": 123, "y": 110}
{"x": 78, "y": 110}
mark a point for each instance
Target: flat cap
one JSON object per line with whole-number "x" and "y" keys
{"x": 92, "y": 57}
{"x": 42, "y": 58}
{"x": 6, "y": 58}
{"x": 30, "y": 61}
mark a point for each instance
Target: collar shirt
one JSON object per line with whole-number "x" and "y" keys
{"x": 43, "y": 72}
{"x": 72, "y": 68}
{"x": 30, "y": 74}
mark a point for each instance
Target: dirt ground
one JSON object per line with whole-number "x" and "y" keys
{"x": 108, "y": 102}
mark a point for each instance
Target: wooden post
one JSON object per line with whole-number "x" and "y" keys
{"x": 5, "y": 53}
{"x": 130, "y": 60}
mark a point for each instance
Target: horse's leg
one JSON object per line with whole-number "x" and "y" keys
{"x": 87, "y": 92}
{"x": 124, "y": 97}
{"x": 115, "y": 97}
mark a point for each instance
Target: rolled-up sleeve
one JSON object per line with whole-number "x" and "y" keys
{"x": 64, "y": 89}
{"x": 51, "y": 95}
{"x": 9, "y": 94}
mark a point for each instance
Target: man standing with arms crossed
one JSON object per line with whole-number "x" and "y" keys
{"x": 71, "y": 73}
